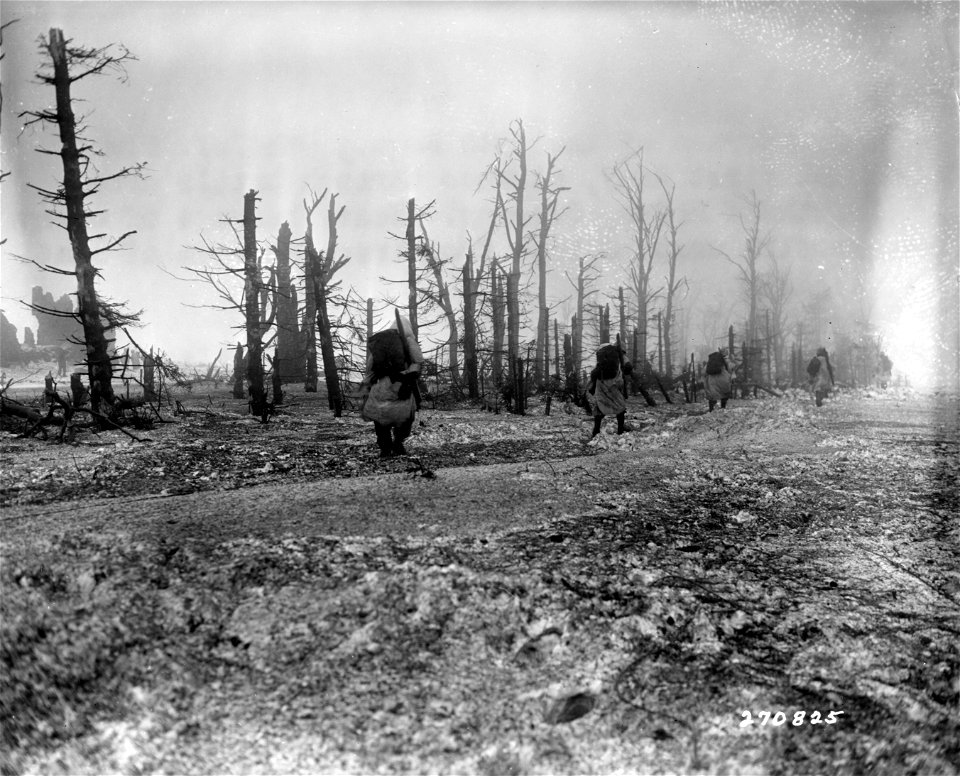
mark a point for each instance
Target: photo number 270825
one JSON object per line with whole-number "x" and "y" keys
{"x": 779, "y": 718}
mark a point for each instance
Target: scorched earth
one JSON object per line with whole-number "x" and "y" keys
{"x": 768, "y": 589}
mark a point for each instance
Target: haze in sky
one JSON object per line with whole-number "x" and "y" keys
{"x": 841, "y": 117}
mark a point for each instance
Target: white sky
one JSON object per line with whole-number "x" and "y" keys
{"x": 832, "y": 112}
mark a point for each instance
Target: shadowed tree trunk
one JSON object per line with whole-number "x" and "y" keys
{"x": 311, "y": 269}
{"x": 470, "y": 364}
{"x": 252, "y": 290}
{"x": 321, "y": 281}
{"x": 238, "y": 368}
{"x": 497, "y": 305}
{"x": 289, "y": 341}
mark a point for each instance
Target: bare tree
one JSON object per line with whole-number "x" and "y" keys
{"x": 628, "y": 178}
{"x": 674, "y": 284}
{"x": 549, "y": 198}
{"x": 3, "y": 174}
{"x": 323, "y": 269}
{"x": 309, "y": 328}
{"x": 411, "y": 239}
{"x": 244, "y": 285}
{"x": 472, "y": 278}
{"x": 515, "y": 229}
{"x": 70, "y": 203}
{"x": 473, "y": 275}
{"x": 748, "y": 262}
{"x": 587, "y": 275}
{"x": 776, "y": 290}
{"x": 287, "y": 362}
{"x": 438, "y": 292}
{"x": 256, "y": 294}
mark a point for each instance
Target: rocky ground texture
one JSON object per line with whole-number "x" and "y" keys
{"x": 770, "y": 589}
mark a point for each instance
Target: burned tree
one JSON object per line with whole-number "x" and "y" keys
{"x": 411, "y": 239}
{"x": 322, "y": 267}
{"x": 472, "y": 278}
{"x": 776, "y": 290}
{"x": 674, "y": 284}
{"x": 437, "y": 290}
{"x": 628, "y": 178}
{"x": 587, "y": 274}
{"x": 549, "y": 198}
{"x": 748, "y": 263}
{"x": 71, "y": 202}
{"x": 238, "y": 277}
{"x": 287, "y": 360}
{"x": 515, "y": 229}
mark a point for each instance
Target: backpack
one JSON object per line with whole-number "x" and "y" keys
{"x": 715, "y": 364}
{"x": 386, "y": 354}
{"x": 608, "y": 362}
{"x": 813, "y": 368}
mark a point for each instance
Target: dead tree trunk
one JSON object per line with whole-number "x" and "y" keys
{"x": 516, "y": 238}
{"x": 252, "y": 289}
{"x": 99, "y": 365}
{"x": 549, "y": 198}
{"x": 556, "y": 345}
{"x": 311, "y": 270}
{"x": 239, "y": 391}
{"x": 586, "y": 276}
{"x": 411, "y": 235}
{"x": 604, "y": 320}
{"x": 497, "y": 305}
{"x": 288, "y": 329}
{"x": 149, "y": 377}
{"x": 470, "y": 363}
{"x": 439, "y": 292}
{"x": 674, "y": 284}
{"x": 324, "y": 331}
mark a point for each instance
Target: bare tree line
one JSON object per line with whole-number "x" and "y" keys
{"x": 298, "y": 307}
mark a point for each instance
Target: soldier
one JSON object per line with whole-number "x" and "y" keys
{"x": 820, "y": 372}
{"x": 885, "y": 368}
{"x": 717, "y": 380}
{"x": 394, "y": 360}
{"x": 608, "y": 386}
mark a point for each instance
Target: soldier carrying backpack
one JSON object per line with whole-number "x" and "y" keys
{"x": 820, "y": 372}
{"x": 394, "y": 360}
{"x": 717, "y": 381}
{"x": 608, "y": 386}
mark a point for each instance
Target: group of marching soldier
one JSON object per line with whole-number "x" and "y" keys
{"x": 390, "y": 396}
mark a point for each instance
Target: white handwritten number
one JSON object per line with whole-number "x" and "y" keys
{"x": 764, "y": 717}
{"x": 747, "y": 720}
{"x": 832, "y": 717}
{"x": 779, "y": 718}
{"x": 798, "y": 718}
{"x": 815, "y": 718}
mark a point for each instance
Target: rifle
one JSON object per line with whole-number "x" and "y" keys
{"x": 408, "y": 359}
{"x": 623, "y": 373}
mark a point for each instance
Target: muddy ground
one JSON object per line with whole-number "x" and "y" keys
{"x": 770, "y": 589}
